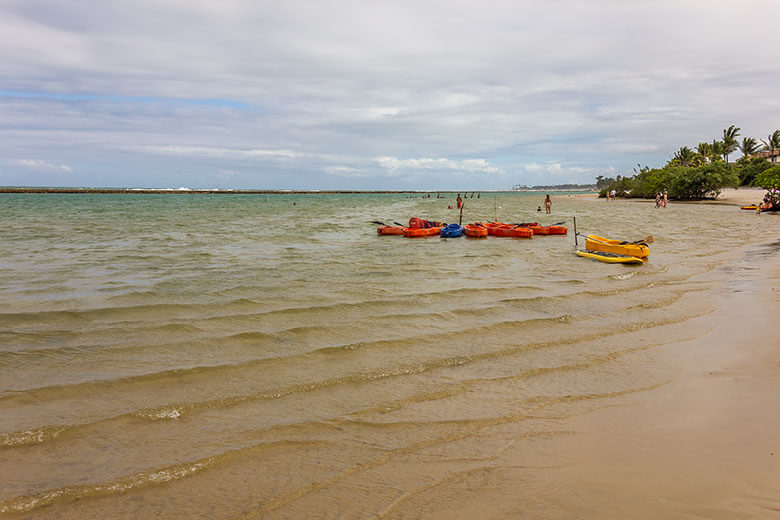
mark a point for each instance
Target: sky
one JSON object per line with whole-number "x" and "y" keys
{"x": 374, "y": 94}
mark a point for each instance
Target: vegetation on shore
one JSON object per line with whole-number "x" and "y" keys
{"x": 704, "y": 172}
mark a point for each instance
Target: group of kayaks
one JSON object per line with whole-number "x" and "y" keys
{"x": 764, "y": 206}
{"x": 616, "y": 251}
{"x": 425, "y": 228}
{"x": 596, "y": 247}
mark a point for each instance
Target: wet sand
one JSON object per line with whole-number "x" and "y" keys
{"x": 707, "y": 444}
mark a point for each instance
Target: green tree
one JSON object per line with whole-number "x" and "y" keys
{"x": 716, "y": 151}
{"x": 773, "y": 141}
{"x": 683, "y": 157}
{"x": 730, "y": 144}
{"x": 748, "y": 146}
{"x": 703, "y": 154}
{"x": 749, "y": 169}
{"x": 603, "y": 182}
{"x": 623, "y": 186}
{"x": 702, "y": 182}
{"x": 770, "y": 180}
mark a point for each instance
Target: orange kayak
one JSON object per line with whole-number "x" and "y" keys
{"x": 539, "y": 230}
{"x": 498, "y": 229}
{"x": 475, "y": 231}
{"x": 549, "y": 230}
{"x": 557, "y": 230}
{"x": 422, "y": 232}
{"x": 390, "y": 230}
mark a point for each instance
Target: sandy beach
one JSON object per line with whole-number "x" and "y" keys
{"x": 729, "y": 196}
{"x": 708, "y": 442}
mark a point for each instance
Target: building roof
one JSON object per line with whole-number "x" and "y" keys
{"x": 766, "y": 154}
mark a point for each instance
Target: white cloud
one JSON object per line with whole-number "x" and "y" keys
{"x": 470, "y": 165}
{"x": 225, "y": 153}
{"x": 346, "y": 171}
{"x": 38, "y": 165}
{"x": 490, "y": 89}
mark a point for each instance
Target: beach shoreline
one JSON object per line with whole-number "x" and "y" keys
{"x": 706, "y": 443}
{"x": 728, "y": 196}
{"x": 205, "y": 361}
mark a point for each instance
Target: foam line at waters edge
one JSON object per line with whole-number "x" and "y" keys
{"x": 174, "y": 411}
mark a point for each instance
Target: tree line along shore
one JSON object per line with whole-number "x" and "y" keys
{"x": 704, "y": 172}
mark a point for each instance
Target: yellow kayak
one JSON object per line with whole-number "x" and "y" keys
{"x": 597, "y": 243}
{"x": 611, "y": 258}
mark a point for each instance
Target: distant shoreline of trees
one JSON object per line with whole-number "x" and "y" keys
{"x": 704, "y": 172}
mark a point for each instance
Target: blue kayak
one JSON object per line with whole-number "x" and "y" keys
{"x": 452, "y": 231}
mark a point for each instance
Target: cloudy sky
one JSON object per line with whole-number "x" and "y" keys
{"x": 374, "y": 94}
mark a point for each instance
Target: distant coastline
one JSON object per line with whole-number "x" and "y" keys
{"x": 188, "y": 191}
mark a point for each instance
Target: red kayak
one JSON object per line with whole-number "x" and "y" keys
{"x": 390, "y": 230}
{"x": 418, "y": 223}
{"x": 475, "y": 230}
{"x": 499, "y": 229}
{"x": 549, "y": 230}
{"x": 422, "y": 232}
{"x": 545, "y": 230}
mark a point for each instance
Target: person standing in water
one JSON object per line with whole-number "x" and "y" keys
{"x": 459, "y": 201}
{"x": 547, "y": 203}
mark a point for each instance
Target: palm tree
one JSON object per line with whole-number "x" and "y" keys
{"x": 773, "y": 141}
{"x": 748, "y": 147}
{"x": 684, "y": 156}
{"x": 730, "y": 144}
{"x": 703, "y": 153}
{"x": 716, "y": 150}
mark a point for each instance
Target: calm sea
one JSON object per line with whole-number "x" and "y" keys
{"x": 270, "y": 356}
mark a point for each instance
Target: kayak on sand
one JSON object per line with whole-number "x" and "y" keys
{"x": 611, "y": 258}
{"x": 638, "y": 249}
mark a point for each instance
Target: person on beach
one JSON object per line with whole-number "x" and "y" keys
{"x": 547, "y": 203}
{"x": 539, "y": 208}
{"x": 459, "y": 201}
{"x": 658, "y": 200}
{"x": 666, "y": 197}
{"x": 613, "y": 195}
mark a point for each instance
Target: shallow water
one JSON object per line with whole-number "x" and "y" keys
{"x": 270, "y": 356}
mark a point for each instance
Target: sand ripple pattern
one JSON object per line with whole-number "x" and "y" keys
{"x": 241, "y": 357}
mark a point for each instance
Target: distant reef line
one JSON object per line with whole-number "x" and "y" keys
{"x": 172, "y": 191}
{"x": 154, "y": 191}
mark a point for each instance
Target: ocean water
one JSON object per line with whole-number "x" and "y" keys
{"x": 270, "y": 356}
